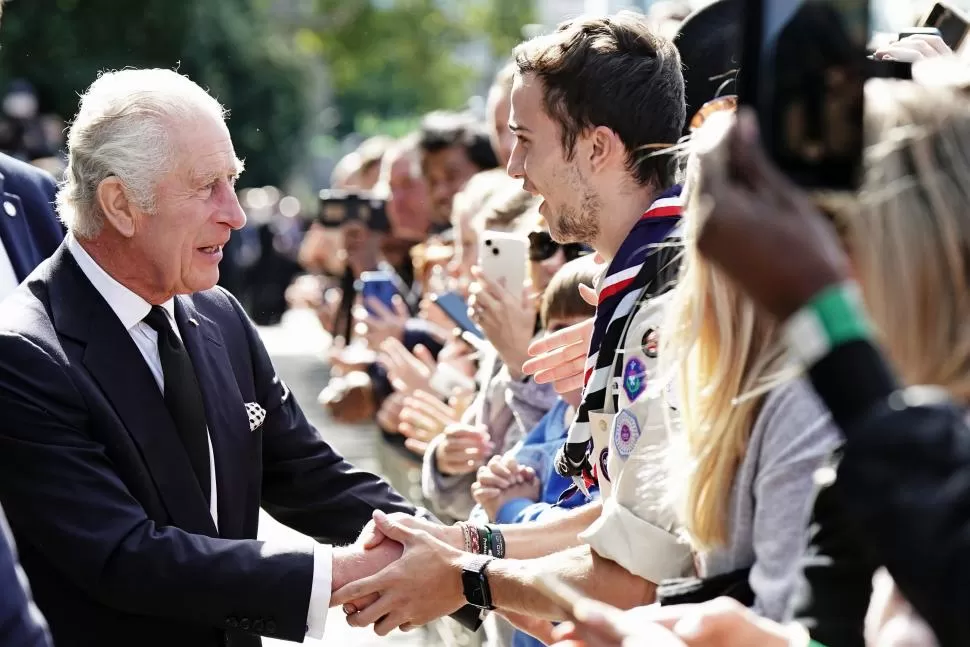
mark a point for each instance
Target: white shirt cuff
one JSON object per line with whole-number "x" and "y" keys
{"x": 316, "y": 621}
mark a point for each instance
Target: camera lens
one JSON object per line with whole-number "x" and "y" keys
{"x": 495, "y": 251}
{"x": 488, "y": 243}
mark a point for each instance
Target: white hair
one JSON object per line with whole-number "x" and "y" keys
{"x": 124, "y": 128}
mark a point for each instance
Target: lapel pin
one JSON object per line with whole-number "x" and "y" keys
{"x": 194, "y": 322}
{"x": 9, "y": 208}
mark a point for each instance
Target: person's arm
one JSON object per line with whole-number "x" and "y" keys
{"x": 21, "y": 622}
{"x": 540, "y": 538}
{"x": 904, "y": 481}
{"x": 514, "y": 584}
{"x": 63, "y": 495}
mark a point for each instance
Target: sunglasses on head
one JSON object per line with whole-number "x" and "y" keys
{"x": 543, "y": 247}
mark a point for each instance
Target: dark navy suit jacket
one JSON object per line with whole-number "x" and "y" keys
{"x": 21, "y": 624}
{"x": 113, "y": 529}
{"x": 29, "y": 230}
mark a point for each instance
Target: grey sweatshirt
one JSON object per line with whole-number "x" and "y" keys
{"x": 771, "y": 498}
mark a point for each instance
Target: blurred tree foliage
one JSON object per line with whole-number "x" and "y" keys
{"x": 227, "y": 46}
{"x": 397, "y": 58}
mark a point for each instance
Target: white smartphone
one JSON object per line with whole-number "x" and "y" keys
{"x": 502, "y": 257}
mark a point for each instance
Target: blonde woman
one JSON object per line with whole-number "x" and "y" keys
{"x": 745, "y": 438}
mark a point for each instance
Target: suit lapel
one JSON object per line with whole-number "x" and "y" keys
{"x": 113, "y": 359}
{"x": 226, "y": 415}
{"x": 15, "y": 234}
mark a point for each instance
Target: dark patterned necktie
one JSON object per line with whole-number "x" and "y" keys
{"x": 183, "y": 398}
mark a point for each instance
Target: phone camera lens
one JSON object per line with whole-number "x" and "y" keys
{"x": 488, "y": 243}
{"x": 495, "y": 251}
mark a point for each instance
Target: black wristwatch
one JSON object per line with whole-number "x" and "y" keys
{"x": 475, "y": 582}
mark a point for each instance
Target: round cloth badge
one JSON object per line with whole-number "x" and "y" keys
{"x": 634, "y": 378}
{"x": 604, "y": 470}
{"x": 626, "y": 433}
{"x": 649, "y": 343}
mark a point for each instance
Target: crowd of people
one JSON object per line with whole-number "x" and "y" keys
{"x": 718, "y": 410}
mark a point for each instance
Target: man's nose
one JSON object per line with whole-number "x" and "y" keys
{"x": 233, "y": 215}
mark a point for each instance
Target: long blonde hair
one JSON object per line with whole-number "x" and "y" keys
{"x": 722, "y": 353}
{"x": 909, "y": 234}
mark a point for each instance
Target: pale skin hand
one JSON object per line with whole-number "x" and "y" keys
{"x": 463, "y": 449}
{"x": 383, "y": 323}
{"x": 560, "y": 358}
{"x": 408, "y": 372}
{"x": 424, "y": 417}
{"x": 507, "y": 320}
{"x": 503, "y": 480}
{"x": 914, "y": 48}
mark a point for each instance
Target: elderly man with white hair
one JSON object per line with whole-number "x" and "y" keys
{"x": 143, "y": 423}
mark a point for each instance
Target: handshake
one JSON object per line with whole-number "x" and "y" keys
{"x": 402, "y": 572}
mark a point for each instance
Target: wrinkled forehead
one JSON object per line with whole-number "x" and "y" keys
{"x": 204, "y": 149}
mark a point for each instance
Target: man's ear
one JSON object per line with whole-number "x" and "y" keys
{"x": 604, "y": 145}
{"x": 118, "y": 210}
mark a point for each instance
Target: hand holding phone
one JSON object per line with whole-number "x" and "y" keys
{"x": 952, "y": 24}
{"x": 502, "y": 257}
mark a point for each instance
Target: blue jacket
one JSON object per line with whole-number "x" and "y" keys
{"x": 29, "y": 230}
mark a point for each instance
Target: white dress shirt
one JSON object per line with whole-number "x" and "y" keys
{"x": 8, "y": 278}
{"x": 131, "y": 309}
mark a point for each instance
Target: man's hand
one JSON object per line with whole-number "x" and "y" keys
{"x": 421, "y": 586}
{"x": 407, "y": 372}
{"x": 351, "y": 563}
{"x": 508, "y": 319}
{"x": 463, "y": 449}
{"x": 381, "y": 323}
{"x": 560, "y": 358}
{"x": 424, "y": 417}
{"x": 796, "y": 252}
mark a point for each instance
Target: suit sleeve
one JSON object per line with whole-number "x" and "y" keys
{"x": 20, "y": 621}
{"x": 306, "y": 484}
{"x": 64, "y": 497}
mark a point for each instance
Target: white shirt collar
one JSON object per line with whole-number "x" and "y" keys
{"x": 128, "y": 306}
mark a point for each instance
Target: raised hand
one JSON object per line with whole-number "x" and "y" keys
{"x": 560, "y": 358}
{"x": 463, "y": 449}
{"x": 423, "y": 417}
{"x": 507, "y": 316}
{"x": 381, "y": 322}
{"x": 408, "y": 372}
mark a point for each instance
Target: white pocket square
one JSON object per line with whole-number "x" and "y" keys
{"x": 256, "y": 415}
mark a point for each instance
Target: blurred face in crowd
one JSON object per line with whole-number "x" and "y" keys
{"x": 541, "y": 271}
{"x": 499, "y": 105}
{"x": 177, "y": 249}
{"x": 446, "y": 170}
{"x": 569, "y": 205}
{"x": 407, "y": 207}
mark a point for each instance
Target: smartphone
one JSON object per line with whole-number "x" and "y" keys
{"x": 378, "y": 285}
{"x": 456, "y": 309}
{"x": 952, "y": 24}
{"x": 803, "y": 70}
{"x": 340, "y": 207}
{"x": 502, "y": 257}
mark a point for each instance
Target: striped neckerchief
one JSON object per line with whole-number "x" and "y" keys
{"x": 633, "y": 268}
